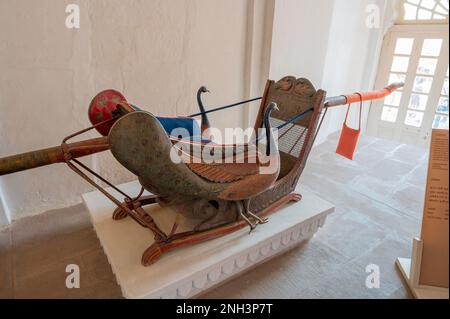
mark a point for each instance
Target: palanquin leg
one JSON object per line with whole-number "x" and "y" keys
{"x": 140, "y": 215}
{"x": 158, "y": 248}
{"x": 165, "y": 243}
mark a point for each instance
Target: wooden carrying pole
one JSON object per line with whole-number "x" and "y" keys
{"x": 363, "y": 96}
{"x": 52, "y": 155}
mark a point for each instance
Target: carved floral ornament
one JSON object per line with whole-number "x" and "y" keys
{"x": 301, "y": 86}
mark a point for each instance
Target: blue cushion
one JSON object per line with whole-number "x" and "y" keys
{"x": 187, "y": 123}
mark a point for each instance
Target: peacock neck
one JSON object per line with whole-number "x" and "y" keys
{"x": 205, "y": 120}
{"x": 271, "y": 146}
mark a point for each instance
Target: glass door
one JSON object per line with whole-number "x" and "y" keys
{"x": 418, "y": 56}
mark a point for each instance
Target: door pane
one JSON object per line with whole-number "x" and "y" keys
{"x": 422, "y": 84}
{"x": 440, "y": 121}
{"x": 431, "y": 47}
{"x": 404, "y": 46}
{"x": 418, "y": 101}
{"x": 393, "y": 99}
{"x": 395, "y": 77}
{"x": 400, "y": 64}
{"x": 443, "y": 105}
{"x": 427, "y": 66}
{"x": 445, "y": 87}
{"x": 414, "y": 118}
{"x": 389, "y": 114}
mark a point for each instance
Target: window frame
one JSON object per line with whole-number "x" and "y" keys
{"x": 401, "y": 21}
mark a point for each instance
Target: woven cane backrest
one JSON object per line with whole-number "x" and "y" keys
{"x": 293, "y": 96}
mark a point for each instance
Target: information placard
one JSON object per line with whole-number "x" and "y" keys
{"x": 434, "y": 266}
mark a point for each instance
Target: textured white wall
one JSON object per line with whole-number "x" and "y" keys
{"x": 300, "y": 38}
{"x": 352, "y": 59}
{"x": 328, "y": 42}
{"x": 156, "y": 52}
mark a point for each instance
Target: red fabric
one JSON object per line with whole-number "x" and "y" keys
{"x": 349, "y": 136}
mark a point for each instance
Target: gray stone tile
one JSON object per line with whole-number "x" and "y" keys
{"x": 390, "y": 170}
{"x": 301, "y": 271}
{"x": 394, "y": 221}
{"x": 418, "y": 176}
{"x": 60, "y": 221}
{"x": 44, "y": 245}
{"x": 409, "y": 154}
{"x": 48, "y": 282}
{"x": 322, "y": 148}
{"x": 334, "y": 137}
{"x": 339, "y": 173}
{"x": 365, "y": 141}
{"x": 96, "y": 279}
{"x": 33, "y": 258}
{"x": 373, "y": 188}
{"x": 347, "y": 282}
{"x": 384, "y": 256}
{"x": 408, "y": 199}
{"x": 331, "y": 159}
{"x": 96, "y": 268}
{"x": 352, "y": 234}
{"x": 385, "y": 146}
{"x": 349, "y": 279}
{"x": 104, "y": 290}
{"x": 368, "y": 158}
{"x": 402, "y": 293}
{"x": 336, "y": 193}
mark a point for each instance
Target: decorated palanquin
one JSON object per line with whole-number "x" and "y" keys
{"x": 240, "y": 187}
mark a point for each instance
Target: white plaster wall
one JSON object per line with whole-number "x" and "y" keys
{"x": 258, "y": 54}
{"x": 328, "y": 42}
{"x": 300, "y": 38}
{"x": 156, "y": 52}
{"x": 44, "y": 92}
{"x": 352, "y": 60}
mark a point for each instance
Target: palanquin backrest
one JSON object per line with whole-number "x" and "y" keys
{"x": 293, "y": 96}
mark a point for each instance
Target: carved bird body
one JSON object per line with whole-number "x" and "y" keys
{"x": 166, "y": 167}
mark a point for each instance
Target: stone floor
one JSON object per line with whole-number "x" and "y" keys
{"x": 378, "y": 198}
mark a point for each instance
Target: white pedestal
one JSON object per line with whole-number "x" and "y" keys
{"x": 410, "y": 269}
{"x": 186, "y": 272}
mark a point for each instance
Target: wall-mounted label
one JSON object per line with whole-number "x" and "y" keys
{"x": 434, "y": 266}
